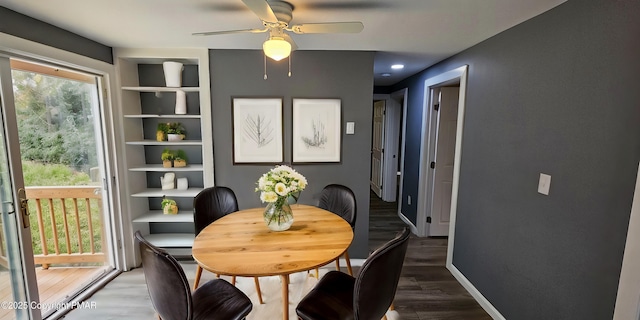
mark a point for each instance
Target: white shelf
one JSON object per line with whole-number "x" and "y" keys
{"x": 162, "y": 89}
{"x": 160, "y": 168}
{"x": 171, "y": 240}
{"x": 159, "y": 216}
{"x": 165, "y": 143}
{"x": 157, "y": 192}
{"x": 138, "y": 113}
{"x": 163, "y": 116}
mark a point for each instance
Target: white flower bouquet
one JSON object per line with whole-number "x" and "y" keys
{"x": 280, "y": 183}
{"x": 275, "y": 187}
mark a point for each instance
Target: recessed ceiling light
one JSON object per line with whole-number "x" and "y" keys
{"x": 397, "y": 66}
{"x": 386, "y": 74}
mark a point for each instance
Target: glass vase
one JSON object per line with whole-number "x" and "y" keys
{"x": 278, "y": 216}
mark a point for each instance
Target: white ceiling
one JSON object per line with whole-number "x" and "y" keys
{"x": 416, "y": 33}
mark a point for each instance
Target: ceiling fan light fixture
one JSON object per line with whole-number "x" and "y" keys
{"x": 276, "y": 48}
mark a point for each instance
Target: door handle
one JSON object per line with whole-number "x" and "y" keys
{"x": 24, "y": 208}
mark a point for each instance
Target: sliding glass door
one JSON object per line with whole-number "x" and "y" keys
{"x": 56, "y": 219}
{"x": 17, "y": 272}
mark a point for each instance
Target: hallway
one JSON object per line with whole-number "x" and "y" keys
{"x": 427, "y": 290}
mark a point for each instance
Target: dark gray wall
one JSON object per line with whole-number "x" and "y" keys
{"x": 557, "y": 94}
{"x": 316, "y": 74}
{"x": 19, "y": 25}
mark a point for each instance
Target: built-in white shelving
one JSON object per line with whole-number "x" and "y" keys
{"x": 171, "y": 240}
{"x": 165, "y": 143}
{"x": 145, "y": 103}
{"x": 160, "y": 168}
{"x": 163, "y": 116}
{"x": 158, "y": 216}
{"x": 159, "y": 193}
{"x": 161, "y": 89}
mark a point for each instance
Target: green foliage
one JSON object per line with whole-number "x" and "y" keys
{"x": 164, "y": 127}
{"x": 168, "y": 154}
{"x": 40, "y": 174}
{"x": 167, "y": 202}
{"x": 58, "y": 146}
{"x": 55, "y": 119}
{"x": 175, "y": 128}
{"x": 181, "y": 155}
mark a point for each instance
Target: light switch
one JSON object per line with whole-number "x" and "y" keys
{"x": 544, "y": 184}
{"x": 351, "y": 127}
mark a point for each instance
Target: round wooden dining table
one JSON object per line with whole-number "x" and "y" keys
{"x": 241, "y": 244}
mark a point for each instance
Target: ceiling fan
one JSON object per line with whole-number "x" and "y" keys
{"x": 276, "y": 16}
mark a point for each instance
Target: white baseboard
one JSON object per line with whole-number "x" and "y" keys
{"x": 412, "y": 227}
{"x": 484, "y": 303}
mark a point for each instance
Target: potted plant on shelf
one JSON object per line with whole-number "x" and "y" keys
{"x": 167, "y": 157}
{"x": 180, "y": 159}
{"x": 175, "y": 131}
{"x": 161, "y": 132}
{"x": 169, "y": 206}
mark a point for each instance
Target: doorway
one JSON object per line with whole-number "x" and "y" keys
{"x": 443, "y": 119}
{"x": 387, "y": 139}
{"x": 55, "y": 146}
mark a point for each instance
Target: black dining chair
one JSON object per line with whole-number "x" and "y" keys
{"x": 172, "y": 298}
{"x": 210, "y": 205}
{"x": 368, "y": 296}
{"x": 340, "y": 200}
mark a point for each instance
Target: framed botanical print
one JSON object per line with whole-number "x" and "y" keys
{"x": 316, "y": 130}
{"x": 257, "y": 130}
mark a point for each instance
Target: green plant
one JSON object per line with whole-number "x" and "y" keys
{"x": 164, "y": 127}
{"x": 167, "y": 202}
{"x": 168, "y": 155}
{"x": 180, "y": 155}
{"x": 175, "y": 128}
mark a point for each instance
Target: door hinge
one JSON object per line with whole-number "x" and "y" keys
{"x": 433, "y": 165}
{"x": 436, "y": 107}
{"x": 428, "y": 219}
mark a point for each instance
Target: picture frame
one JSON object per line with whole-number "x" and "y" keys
{"x": 317, "y": 130}
{"x": 257, "y": 130}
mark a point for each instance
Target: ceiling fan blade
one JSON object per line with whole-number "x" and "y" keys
{"x": 330, "y": 27}
{"x": 262, "y": 9}
{"x": 288, "y": 38}
{"x": 214, "y": 33}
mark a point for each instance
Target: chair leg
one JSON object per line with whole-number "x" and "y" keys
{"x": 317, "y": 274}
{"x": 346, "y": 257}
{"x": 233, "y": 280}
{"x": 384, "y": 317}
{"x": 391, "y": 307}
{"x": 255, "y": 279}
{"x": 196, "y": 282}
{"x": 338, "y": 264}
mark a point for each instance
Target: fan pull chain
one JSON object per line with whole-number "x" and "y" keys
{"x": 290, "y": 66}
{"x": 265, "y": 67}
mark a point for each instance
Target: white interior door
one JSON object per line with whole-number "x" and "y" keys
{"x": 444, "y": 161}
{"x": 377, "y": 151}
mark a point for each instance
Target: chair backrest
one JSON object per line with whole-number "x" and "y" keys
{"x": 166, "y": 282}
{"x": 340, "y": 200}
{"x": 212, "y": 204}
{"x": 377, "y": 281}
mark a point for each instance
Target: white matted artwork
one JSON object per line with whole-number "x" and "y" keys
{"x": 316, "y": 130}
{"x": 257, "y": 130}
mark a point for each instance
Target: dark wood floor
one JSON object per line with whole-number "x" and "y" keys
{"x": 427, "y": 290}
